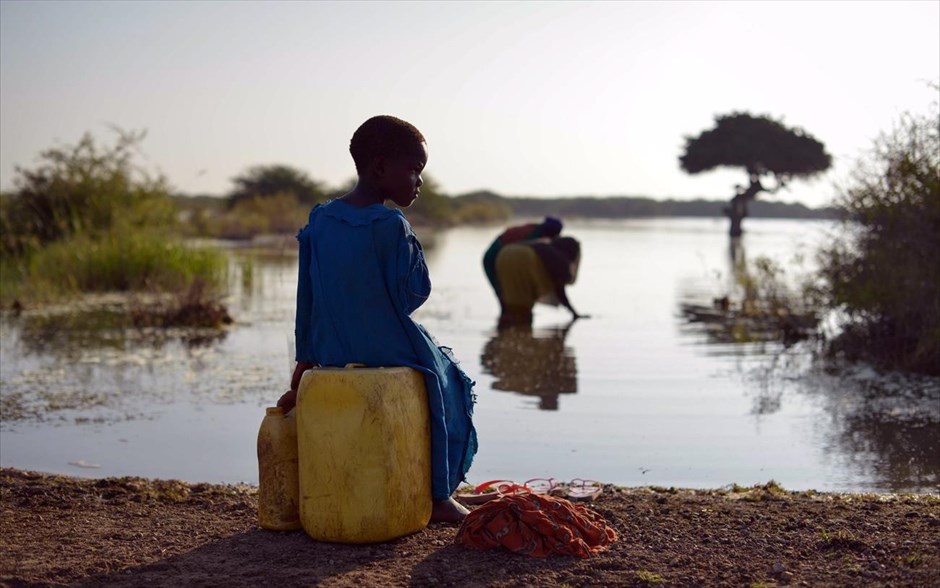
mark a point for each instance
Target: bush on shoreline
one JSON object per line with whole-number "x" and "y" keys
{"x": 884, "y": 272}
{"x": 259, "y": 215}
{"x": 88, "y": 219}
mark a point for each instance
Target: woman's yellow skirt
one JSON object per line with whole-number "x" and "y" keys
{"x": 523, "y": 278}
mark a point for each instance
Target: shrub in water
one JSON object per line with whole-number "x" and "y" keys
{"x": 885, "y": 270}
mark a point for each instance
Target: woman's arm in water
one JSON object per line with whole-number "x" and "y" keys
{"x": 563, "y": 298}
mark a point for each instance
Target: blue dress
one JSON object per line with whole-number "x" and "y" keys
{"x": 361, "y": 275}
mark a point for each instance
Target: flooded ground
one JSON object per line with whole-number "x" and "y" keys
{"x": 634, "y": 395}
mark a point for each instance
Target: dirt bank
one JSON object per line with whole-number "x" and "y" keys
{"x": 133, "y": 532}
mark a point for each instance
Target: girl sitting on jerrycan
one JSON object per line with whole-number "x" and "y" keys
{"x": 361, "y": 275}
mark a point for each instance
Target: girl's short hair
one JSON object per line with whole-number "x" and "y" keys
{"x": 382, "y": 135}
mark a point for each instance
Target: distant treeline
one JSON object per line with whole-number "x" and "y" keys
{"x": 635, "y": 207}
{"x": 488, "y": 207}
{"x": 275, "y": 198}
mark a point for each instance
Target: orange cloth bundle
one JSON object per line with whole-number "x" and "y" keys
{"x": 536, "y": 525}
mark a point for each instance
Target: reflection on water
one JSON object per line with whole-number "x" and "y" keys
{"x": 648, "y": 398}
{"x": 532, "y": 362}
{"x": 89, "y": 364}
{"x": 69, "y": 335}
{"x": 85, "y": 363}
{"x": 759, "y": 303}
{"x": 900, "y": 452}
{"x": 885, "y": 425}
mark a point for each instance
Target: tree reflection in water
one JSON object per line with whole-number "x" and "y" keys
{"x": 884, "y": 426}
{"x": 532, "y": 362}
{"x": 887, "y": 425}
{"x": 72, "y": 335}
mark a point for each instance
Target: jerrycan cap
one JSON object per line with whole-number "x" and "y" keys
{"x": 274, "y": 411}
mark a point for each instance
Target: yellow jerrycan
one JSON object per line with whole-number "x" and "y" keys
{"x": 278, "y": 488}
{"x": 364, "y": 452}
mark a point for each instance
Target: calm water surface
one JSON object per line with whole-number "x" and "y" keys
{"x": 633, "y": 395}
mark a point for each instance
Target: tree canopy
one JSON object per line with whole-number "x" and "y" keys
{"x": 270, "y": 180}
{"x": 758, "y": 144}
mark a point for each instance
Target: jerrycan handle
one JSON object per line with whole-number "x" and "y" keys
{"x": 354, "y": 365}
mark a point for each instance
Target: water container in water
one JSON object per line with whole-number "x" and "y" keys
{"x": 364, "y": 449}
{"x": 278, "y": 488}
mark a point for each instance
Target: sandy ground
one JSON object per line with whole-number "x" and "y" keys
{"x": 133, "y": 532}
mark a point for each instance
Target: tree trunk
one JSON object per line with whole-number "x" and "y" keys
{"x": 737, "y": 210}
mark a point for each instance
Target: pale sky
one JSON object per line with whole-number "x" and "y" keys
{"x": 526, "y": 98}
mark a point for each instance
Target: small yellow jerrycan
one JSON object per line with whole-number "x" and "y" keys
{"x": 278, "y": 488}
{"x": 364, "y": 450}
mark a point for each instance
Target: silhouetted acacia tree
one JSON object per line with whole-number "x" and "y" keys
{"x": 270, "y": 180}
{"x": 760, "y": 145}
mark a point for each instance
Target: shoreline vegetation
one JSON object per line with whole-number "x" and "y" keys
{"x": 89, "y": 219}
{"x": 130, "y": 531}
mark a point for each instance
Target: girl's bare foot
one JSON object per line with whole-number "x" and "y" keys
{"x": 448, "y": 511}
